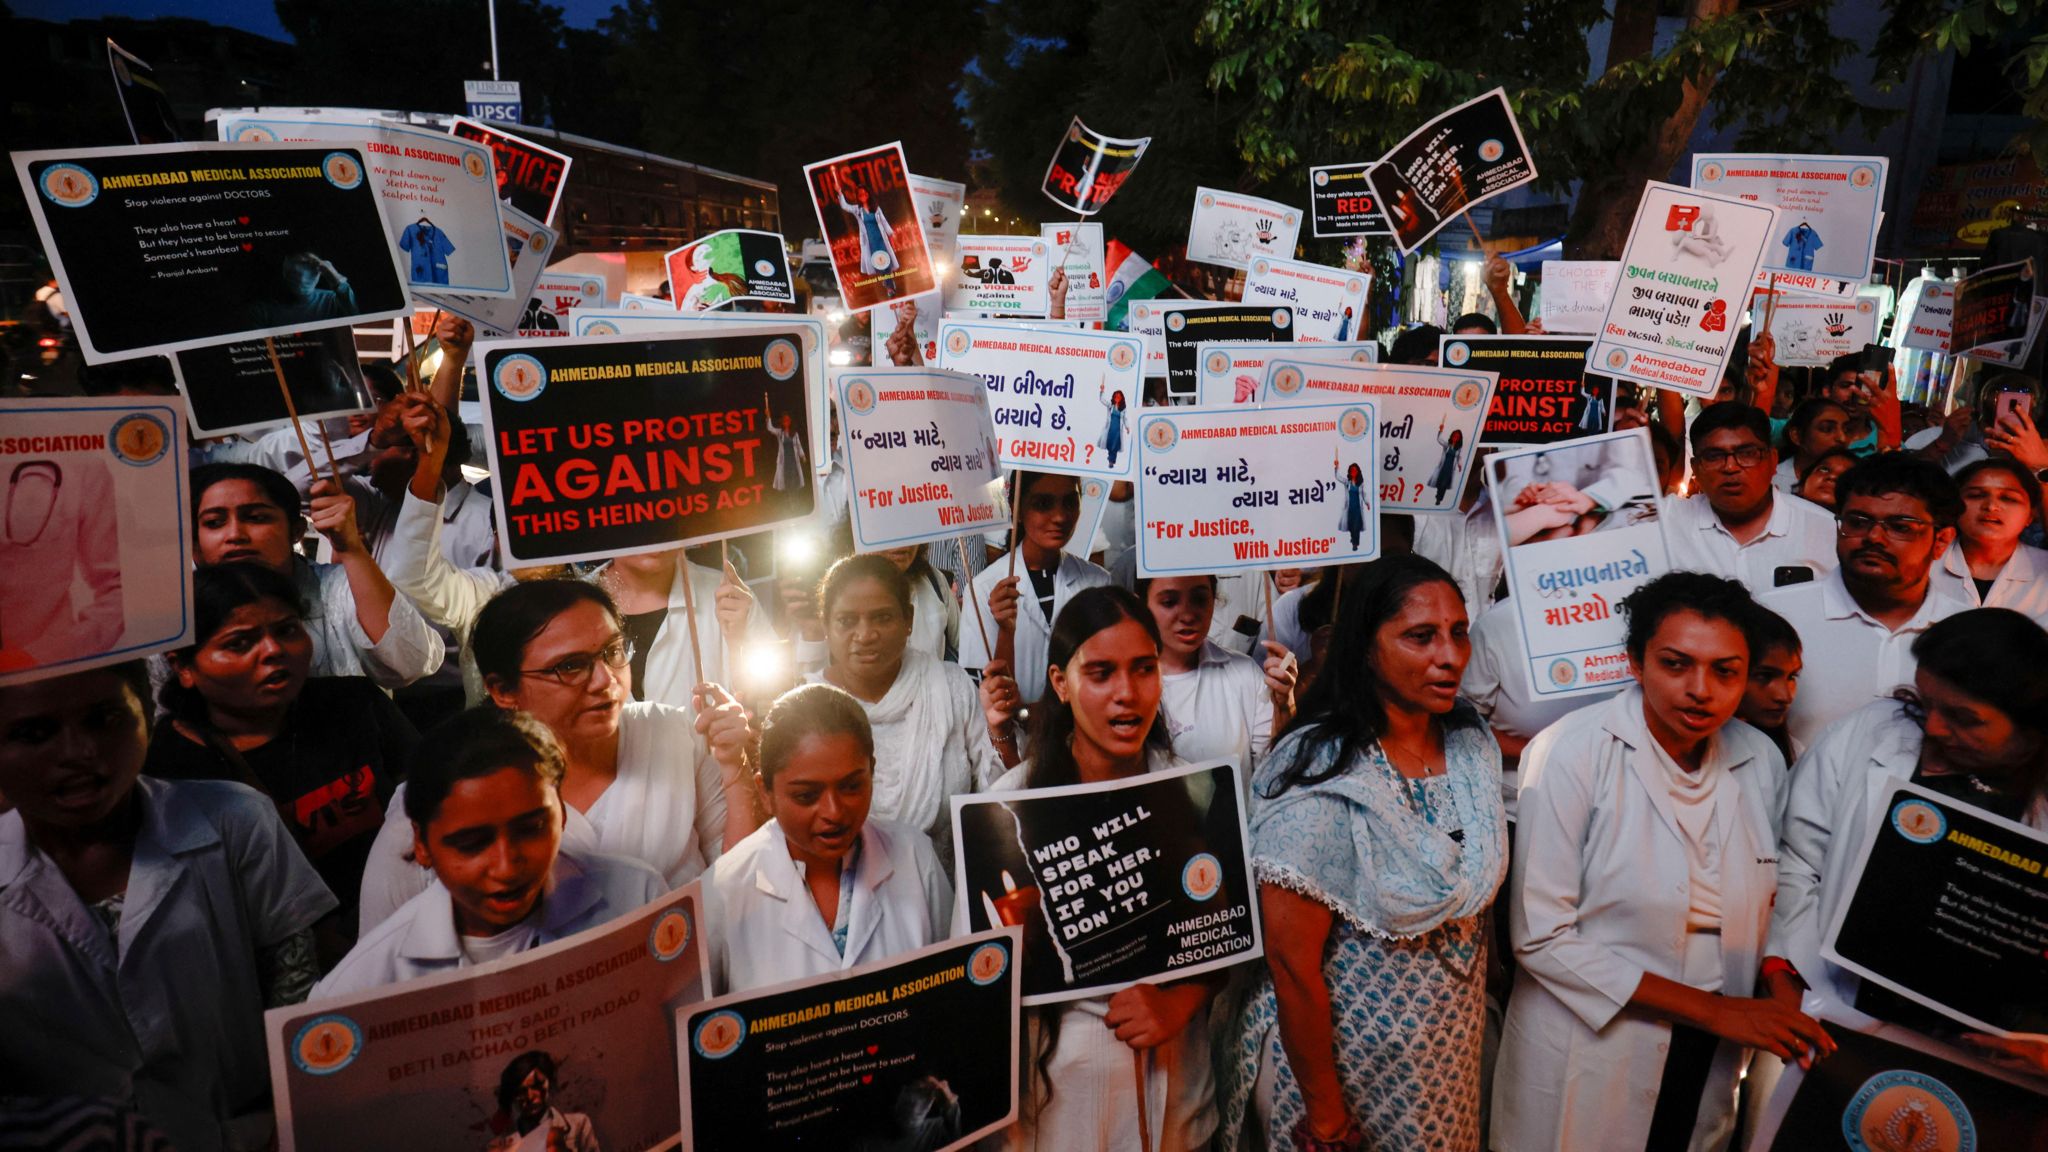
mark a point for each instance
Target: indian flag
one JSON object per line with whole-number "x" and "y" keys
{"x": 1131, "y": 277}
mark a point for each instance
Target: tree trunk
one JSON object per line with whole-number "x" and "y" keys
{"x": 1607, "y": 201}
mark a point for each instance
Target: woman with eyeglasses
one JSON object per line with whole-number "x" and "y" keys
{"x": 665, "y": 786}
{"x": 1987, "y": 566}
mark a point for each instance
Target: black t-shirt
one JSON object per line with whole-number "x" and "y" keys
{"x": 640, "y": 629}
{"x": 331, "y": 771}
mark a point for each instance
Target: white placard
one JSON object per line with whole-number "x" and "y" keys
{"x": 890, "y": 346}
{"x": 1928, "y": 326}
{"x": 1061, "y": 400}
{"x": 554, "y": 297}
{"x": 920, "y": 455}
{"x": 530, "y": 244}
{"x": 1232, "y": 229}
{"x": 1236, "y": 373}
{"x": 1575, "y": 294}
{"x": 1811, "y": 332}
{"x": 1429, "y": 420}
{"x": 1829, "y": 210}
{"x": 939, "y": 203}
{"x": 999, "y": 276}
{"x": 1328, "y": 303}
{"x": 1078, "y": 249}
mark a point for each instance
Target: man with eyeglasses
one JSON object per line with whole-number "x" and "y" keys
{"x": 1735, "y": 525}
{"x": 1896, "y": 517}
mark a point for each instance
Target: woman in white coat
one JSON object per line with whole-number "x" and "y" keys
{"x": 820, "y": 887}
{"x": 1029, "y": 599}
{"x": 1216, "y": 704}
{"x": 1644, "y": 866}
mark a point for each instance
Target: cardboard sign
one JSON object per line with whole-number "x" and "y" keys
{"x": 939, "y": 204}
{"x": 439, "y": 193}
{"x": 1992, "y": 306}
{"x": 1829, "y": 209}
{"x": 1944, "y": 909}
{"x": 872, "y": 226}
{"x": 530, "y": 176}
{"x": 916, "y": 1052}
{"x": 1901, "y": 1091}
{"x": 554, "y": 297}
{"x": 1145, "y": 320}
{"x": 608, "y": 446}
{"x": 1088, "y": 168}
{"x": 1543, "y": 393}
{"x": 424, "y": 1064}
{"x": 638, "y": 302}
{"x": 1094, "y": 502}
{"x": 1811, "y": 332}
{"x": 1187, "y": 324}
{"x": 920, "y": 456}
{"x": 1342, "y": 203}
{"x": 1928, "y": 326}
{"x": 1232, "y": 229}
{"x": 1685, "y": 273}
{"x": 1575, "y": 294}
{"x": 637, "y": 322}
{"x": 905, "y": 333}
{"x": 1328, "y": 303}
{"x": 1464, "y": 157}
{"x": 1046, "y": 418}
{"x": 1569, "y": 562}
{"x": 232, "y": 388}
{"x": 1077, "y": 250}
{"x": 1000, "y": 276}
{"x": 1236, "y": 373}
{"x": 496, "y": 100}
{"x": 529, "y": 244}
{"x": 734, "y": 264}
{"x": 1429, "y": 420}
{"x": 1232, "y": 489}
{"x": 144, "y": 103}
{"x": 95, "y": 566}
{"x": 2014, "y": 353}
{"x": 168, "y": 246}
{"x": 1141, "y": 879}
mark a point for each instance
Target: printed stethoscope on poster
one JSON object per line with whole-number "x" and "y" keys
{"x": 30, "y": 470}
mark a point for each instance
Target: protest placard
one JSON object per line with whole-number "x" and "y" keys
{"x": 940, "y": 204}
{"x": 1811, "y": 331}
{"x": 637, "y": 322}
{"x": 167, "y": 246}
{"x": 1992, "y": 307}
{"x": 872, "y": 226}
{"x": 1236, "y": 373}
{"x": 1234, "y": 488}
{"x": 1328, "y": 303}
{"x": 1088, "y": 168}
{"x": 1580, "y": 529}
{"x": 1927, "y": 326}
{"x": 1342, "y": 203}
{"x": 1077, "y": 250}
{"x": 1143, "y": 319}
{"x": 1944, "y": 909}
{"x": 144, "y": 104}
{"x": 1415, "y": 405}
{"x": 2013, "y": 353}
{"x": 1900, "y": 1092}
{"x": 1045, "y": 418}
{"x": 920, "y": 455}
{"x": 1094, "y": 502}
{"x": 1829, "y": 208}
{"x": 95, "y": 566}
{"x": 530, "y": 176}
{"x": 641, "y": 302}
{"x": 1464, "y": 157}
{"x": 917, "y": 1052}
{"x": 905, "y": 333}
{"x": 1543, "y": 393}
{"x": 232, "y": 388}
{"x": 1575, "y": 294}
{"x": 446, "y": 1061}
{"x": 1000, "y": 276}
{"x": 1140, "y": 879}
{"x": 1185, "y": 325}
{"x": 733, "y": 264}
{"x": 1232, "y": 229}
{"x": 610, "y": 445}
{"x": 1685, "y": 272}
{"x": 529, "y": 244}
{"x": 554, "y": 297}
{"x": 439, "y": 192}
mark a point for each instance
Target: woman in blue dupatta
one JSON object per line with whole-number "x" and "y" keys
{"x": 1378, "y": 841}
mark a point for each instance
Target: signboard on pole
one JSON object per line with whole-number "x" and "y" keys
{"x": 495, "y": 100}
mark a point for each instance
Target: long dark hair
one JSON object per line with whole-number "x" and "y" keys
{"x": 1092, "y": 610}
{"x": 1998, "y": 656}
{"x": 217, "y": 591}
{"x": 512, "y": 618}
{"x": 1343, "y": 704}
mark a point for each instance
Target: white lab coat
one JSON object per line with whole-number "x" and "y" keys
{"x": 2022, "y": 585}
{"x": 1034, "y": 631}
{"x": 765, "y": 928}
{"x": 1496, "y": 681}
{"x": 1219, "y": 711}
{"x": 1599, "y": 897}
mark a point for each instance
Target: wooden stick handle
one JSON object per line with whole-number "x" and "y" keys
{"x": 967, "y": 583}
{"x": 292, "y": 410}
{"x": 690, "y": 614}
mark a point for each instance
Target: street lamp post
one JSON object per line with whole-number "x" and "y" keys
{"x": 492, "y": 7}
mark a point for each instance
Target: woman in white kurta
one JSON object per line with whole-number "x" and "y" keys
{"x": 1643, "y": 876}
{"x": 1987, "y": 566}
{"x": 1030, "y": 597}
{"x": 822, "y": 886}
{"x": 1078, "y": 1092}
{"x": 930, "y": 733}
{"x": 935, "y": 626}
{"x": 1216, "y": 704}
{"x": 646, "y": 781}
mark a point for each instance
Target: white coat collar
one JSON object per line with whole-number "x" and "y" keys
{"x": 431, "y": 938}
{"x": 777, "y": 878}
{"x": 2019, "y": 569}
{"x": 1622, "y": 717}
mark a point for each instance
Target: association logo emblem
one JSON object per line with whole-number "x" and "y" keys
{"x": 1905, "y": 1111}
{"x": 536, "y": 242}
{"x": 342, "y": 170}
{"x": 1123, "y": 356}
{"x": 1288, "y": 219}
{"x": 253, "y": 134}
{"x": 670, "y": 935}
{"x": 1321, "y": 178}
{"x": 1287, "y": 381}
{"x": 719, "y": 1034}
{"x": 780, "y": 358}
{"x": 986, "y": 964}
{"x": 1456, "y": 354}
{"x": 1863, "y": 307}
{"x": 139, "y": 439}
{"x": 1354, "y": 286}
{"x": 1161, "y": 435}
{"x": 958, "y": 342}
{"x": 1353, "y": 424}
{"x": 1710, "y": 172}
{"x": 1283, "y": 318}
{"x": 1491, "y": 150}
{"x": 1617, "y": 359}
{"x": 1092, "y": 489}
{"x": 1202, "y": 876}
{"x": 1563, "y": 673}
{"x": 1466, "y": 394}
{"x": 593, "y": 289}
{"x": 519, "y": 377}
{"x": 326, "y": 1045}
{"x": 474, "y": 164}
{"x": 1175, "y": 321}
{"x": 1260, "y": 267}
{"x": 1919, "y": 821}
{"x": 860, "y": 397}
{"x": 68, "y": 186}
{"x": 1216, "y": 363}
{"x": 1862, "y": 176}
{"x": 1208, "y": 201}
{"x": 601, "y": 328}
{"x": 764, "y": 268}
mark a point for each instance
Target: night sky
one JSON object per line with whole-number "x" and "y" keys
{"x": 258, "y": 16}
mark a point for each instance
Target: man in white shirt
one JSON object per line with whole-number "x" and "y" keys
{"x": 1734, "y": 524}
{"x": 1857, "y": 625}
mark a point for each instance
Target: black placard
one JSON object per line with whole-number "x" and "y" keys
{"x": 530, "y": 177}
{"x": 1113, "y": 883}
{"x": 1544, "y": 395}
{"x": 1191, "y": 323}
{"x": 1464, "y": 157}
{"x": 607, "y": 446}
{"x": 1342, "y": 203}
{"x": 144, "y": 103}
{"x": 233, "y": 388}
{"x": 173, "y": 246}
{"x": 1088, "y": 168}
{"x": 1874, "y": 1095}
{"x": 1992, "y": 307}
{"x": 1947, "y": 911}
{"x": 916, "y": 1053}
